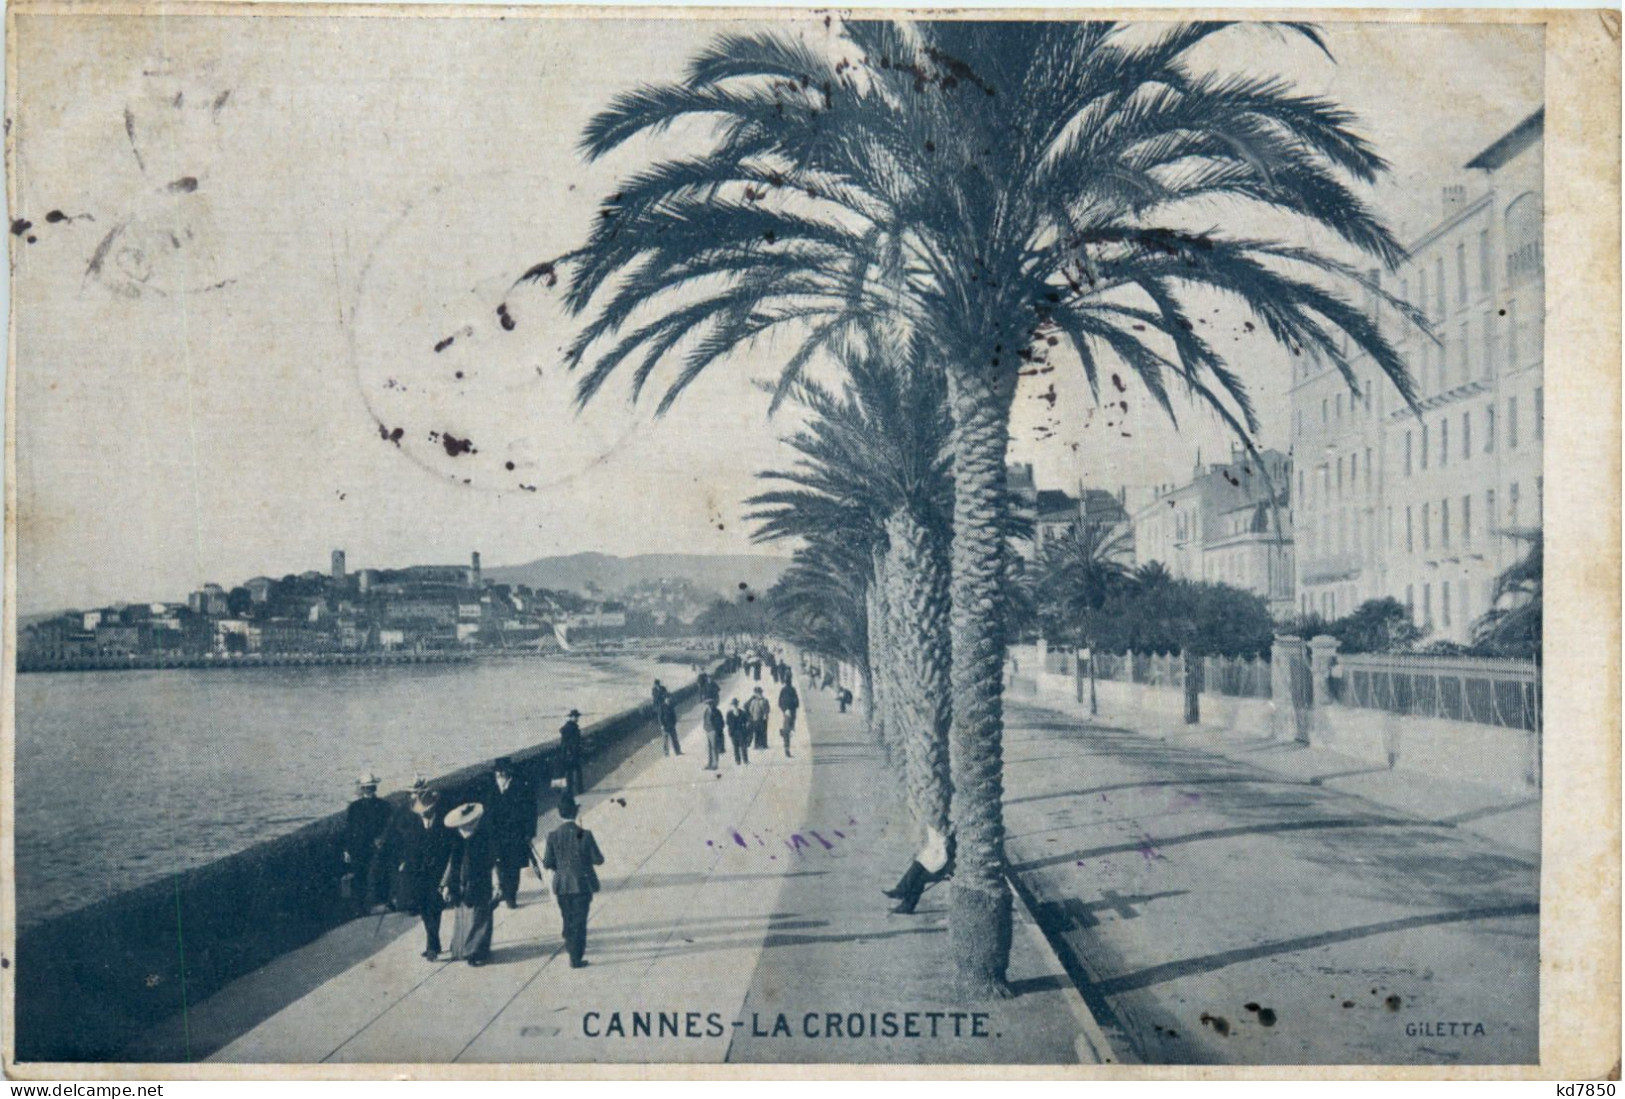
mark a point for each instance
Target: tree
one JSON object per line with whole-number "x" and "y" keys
{"x": 1512, "y": 626}
{"x": 1076, "y": 576}
{"x": 1198, "y": 617}
{"x": 981, "y": 188}
{"x": 872, "y": 471}
{"x": 1375, "y": 626}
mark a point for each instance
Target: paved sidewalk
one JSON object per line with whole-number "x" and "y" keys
{"x": 1510, "y": 819}
{"x": 1215, "y": 908}
{"x": 731, "y": 898}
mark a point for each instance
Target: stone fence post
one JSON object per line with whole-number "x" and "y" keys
{"x": 1322, "y": 658}
{"x": 1289, "y": 689}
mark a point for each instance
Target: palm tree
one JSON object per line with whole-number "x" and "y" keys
{"x": 1512, "y": 626}
{"x": 988, "y": 190}
{"x": 1077, "y": 574}
{"x": 872, "y": 471}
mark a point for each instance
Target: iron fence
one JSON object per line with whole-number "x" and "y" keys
{"x": 1486, "y": 692}
{"x": 1237, "y": 676}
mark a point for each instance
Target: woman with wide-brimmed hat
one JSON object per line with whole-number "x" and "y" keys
{"x": 468, "y": 883}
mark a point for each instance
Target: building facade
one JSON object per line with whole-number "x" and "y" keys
{"x": 1428, "y": 505}
{"x": 1231, "y": 523}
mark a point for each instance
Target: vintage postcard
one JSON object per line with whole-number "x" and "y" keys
{"x": 569, "y": 542}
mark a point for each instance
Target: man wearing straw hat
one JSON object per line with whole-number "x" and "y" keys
{"x": 467, "y": 883}
{"x": 571, "y": 854}
{"x": 365, "y": 823}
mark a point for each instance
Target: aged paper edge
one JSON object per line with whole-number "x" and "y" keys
{"x": 1580, "y": 824}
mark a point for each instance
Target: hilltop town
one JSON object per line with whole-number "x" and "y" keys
{"x": 417, "y": 609}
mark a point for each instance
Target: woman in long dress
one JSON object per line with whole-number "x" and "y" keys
{"x": 468, "y": 883}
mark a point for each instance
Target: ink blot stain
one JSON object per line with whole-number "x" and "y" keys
{"x": 21, "y": 226}
{"x": 1219, "y": 1023}
{"x": 182, "y": 186}
{"x": 453, "y": 445}
{"x": 508, "y": 466}
{"x": 1392, "y": 1003}
{"x": 389, "y": 436}
{"x": 443, "y": 344}
{"x": 1348, "y": 1003}
{"x": 508, "y": 324}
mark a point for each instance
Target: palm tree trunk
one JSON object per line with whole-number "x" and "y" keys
{"x": 979, "y": 903}
{"x": 917, "y": 624}
{"x": 879, "y": 654}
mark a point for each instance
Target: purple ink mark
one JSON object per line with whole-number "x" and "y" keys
{"x": 828, "y": 846}
{"x": 840, "y": 834}
{"x": 710, "y": 843}
{"x": 796, "y": 842}
{"x": 740, "y": 840}
{"x": 1148, "y": 850}
{"x": 851, "y": 820}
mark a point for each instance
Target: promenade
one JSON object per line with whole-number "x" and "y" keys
{"x": 1247, "y": 901}
{"x": 732, "y": 900}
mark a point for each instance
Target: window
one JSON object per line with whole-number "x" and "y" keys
{"x": 1340, "y": 406}
{"x": 1438, "y": 287}
{"x": 1489, "y": 429}
{"x": 1340, "y": 478}
{"x": 1444, "y": 362}
{"x": 1410, "y": 532}
{"x": 1467, "y": 520}
{"x": 1323, "y": 407}
{"x": 1424, "y": 374}
{"x": 1512, "y": 423}
{"x": 1444, "y": 602}
{"x": 1466, "y": 435}
{"x": 1512, "y": 335}
{"x": 1354, "y": 471}
{"x": 1523, "y": 238}
{"x": 1444, "y": 523}
{"x": 1540, "y": 411}
{"x": 1368, "y": 470}
{"x": 1427, "y": 528}
{"x": 1408, "y": 451}
{"x": 1410, "y": 599}
{"x": 1303, "y": 501}
{"x": 1491, "y": 350}
{"x": 1490, "y": 516}
{"x": 1444, "y": 441}
{"x": 1512, "y": 505}
{"x": 1484, "y": 260}
{"x": 1461, "y": 273}
{"x": 1424, "y": 446}
{"x": 1422, "y": 292}
{"x": 1463, "y": 367}
{"x": 1427, "y": 605}
{"x": 1390, "y": 524}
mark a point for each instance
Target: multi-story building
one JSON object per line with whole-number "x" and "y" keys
{"x": 1425, "y": 505}
{"x": 1230, "y": 523}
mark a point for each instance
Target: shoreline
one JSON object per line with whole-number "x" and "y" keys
{"x": 155, "y": 662}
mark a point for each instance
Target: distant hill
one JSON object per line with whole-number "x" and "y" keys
{"x": 720, "y": 573}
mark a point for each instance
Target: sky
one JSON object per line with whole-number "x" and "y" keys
{"x": 283, "y": 238}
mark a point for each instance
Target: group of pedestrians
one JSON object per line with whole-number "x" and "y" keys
{"x": 744, "y": 726}
{"x": 424, "y": 858}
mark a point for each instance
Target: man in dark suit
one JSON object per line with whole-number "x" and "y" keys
{"x": 711, "y": 721}
{"x": 739, "y": 732}
{"x": 424, "y": 848}
{"x": 789, "y": 703}
{"x": 667, "y": 715}
{"x": 366, "y": 825}
{"x": 511, "y": 809}
{"x": 570, "y": 752}
{"x": 571, "y": 854}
